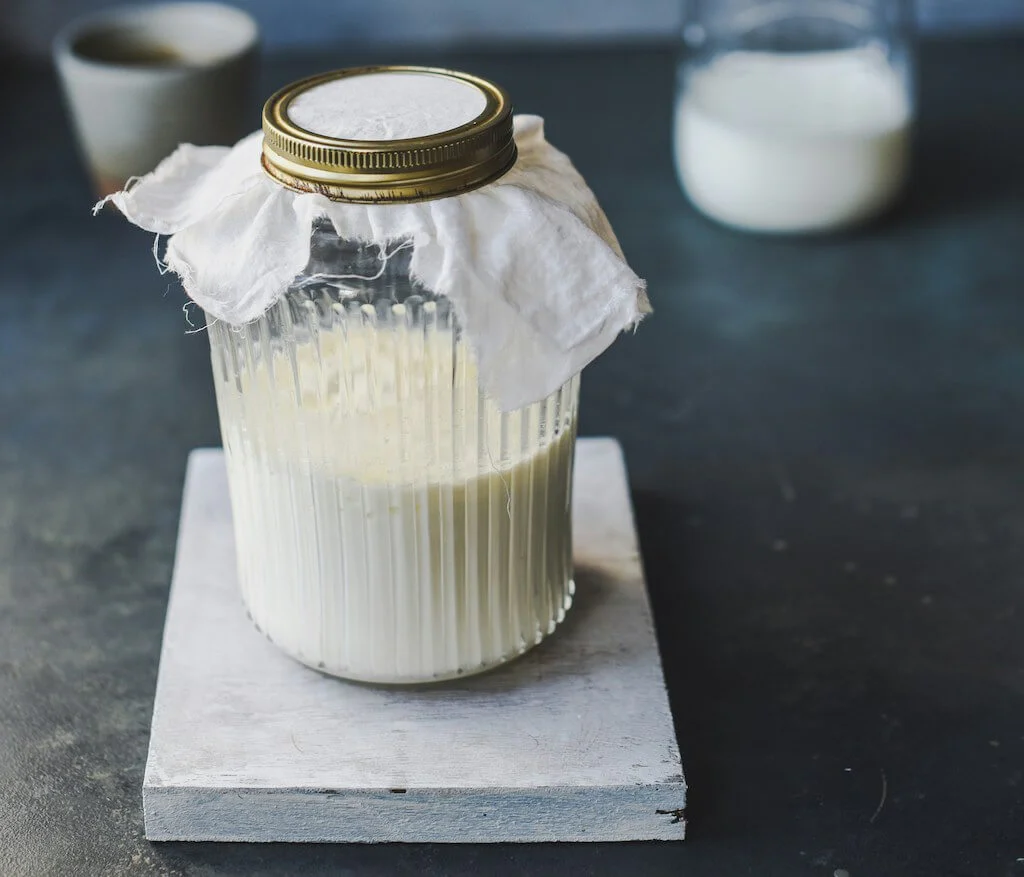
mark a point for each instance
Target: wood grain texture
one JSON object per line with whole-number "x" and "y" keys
{"x": 574, "y": 741}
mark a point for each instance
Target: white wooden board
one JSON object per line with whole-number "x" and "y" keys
{"x": 571, "y": 742}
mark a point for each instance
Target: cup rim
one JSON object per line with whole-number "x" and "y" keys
{"x": 65, "y": 39}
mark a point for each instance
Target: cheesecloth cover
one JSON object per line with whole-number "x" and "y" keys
{"x": 530, "y": 263}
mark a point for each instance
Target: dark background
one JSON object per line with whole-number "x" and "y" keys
{"x": 27, "y": 26}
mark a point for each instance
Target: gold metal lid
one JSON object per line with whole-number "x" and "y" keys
{"x": 377, "y": 171}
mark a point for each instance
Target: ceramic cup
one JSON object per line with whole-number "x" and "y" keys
{"x": 140, "y": 80}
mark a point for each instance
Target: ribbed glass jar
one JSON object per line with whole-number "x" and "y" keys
{"x": 392, "y": 524}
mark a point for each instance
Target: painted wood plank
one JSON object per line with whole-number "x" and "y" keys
{"x": 573, "y": 741}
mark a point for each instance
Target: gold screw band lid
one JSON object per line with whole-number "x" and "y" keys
{"x": 310, "y": 148}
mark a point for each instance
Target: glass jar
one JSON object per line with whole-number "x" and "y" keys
{"x": 392, "y": 523}
{"x": 794, "y": 115}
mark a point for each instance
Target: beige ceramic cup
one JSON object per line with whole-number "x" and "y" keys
{"x": 140, "y": 80}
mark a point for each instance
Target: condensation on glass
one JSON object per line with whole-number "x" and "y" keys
{"x": 392, "y": 524}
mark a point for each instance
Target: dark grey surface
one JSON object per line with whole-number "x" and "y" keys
{"x": 826, "y": 444}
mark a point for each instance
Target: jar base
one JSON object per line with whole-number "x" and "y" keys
{"x": 444, "y": 676}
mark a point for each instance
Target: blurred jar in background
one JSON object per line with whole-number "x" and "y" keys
{"x": 794, "y": 115}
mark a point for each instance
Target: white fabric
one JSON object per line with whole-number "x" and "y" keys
{"x": 530, "y": 263}
{"x": 387, "y": 105}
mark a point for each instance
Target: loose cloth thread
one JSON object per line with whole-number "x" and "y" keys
{"x": 530, "y": 263}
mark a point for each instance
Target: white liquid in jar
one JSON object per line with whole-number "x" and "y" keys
{"x": 796, "y": 142}
{"x": 392, "y": 525}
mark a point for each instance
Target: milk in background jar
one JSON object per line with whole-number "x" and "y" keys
{"x": 792, "y": 121}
